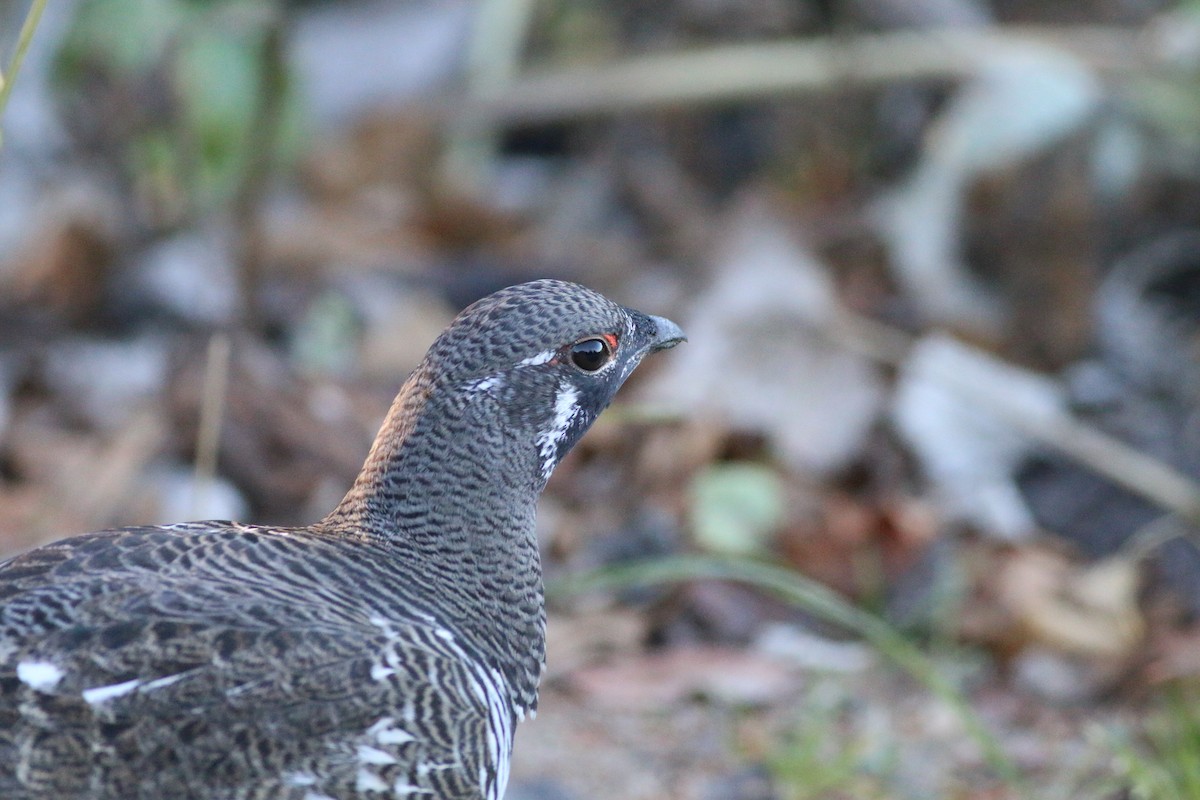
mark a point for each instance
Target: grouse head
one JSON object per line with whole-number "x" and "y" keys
{"x": 502, "y": 395}
{"x": 544, "y": 358}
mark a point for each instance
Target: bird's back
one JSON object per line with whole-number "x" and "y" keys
{"x": 255, "y": 662}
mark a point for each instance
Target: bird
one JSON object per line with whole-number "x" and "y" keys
{"x": 386, "y": 651}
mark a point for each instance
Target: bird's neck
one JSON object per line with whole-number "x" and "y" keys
{"x": 455, "y": 493}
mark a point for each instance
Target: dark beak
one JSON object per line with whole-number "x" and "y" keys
{"x": 666, "y": 334}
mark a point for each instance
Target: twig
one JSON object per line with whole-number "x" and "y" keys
{"x": 1154, "y": 534}
{"x": 9, "y": 77}
{"x": 816, "y": 599}
{"x": 212, "y": 413}
{"x": 743, "y": 72}
{"x": 1127, "y": 466}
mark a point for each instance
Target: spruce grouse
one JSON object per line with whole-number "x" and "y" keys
{"x": 387, "y": 651}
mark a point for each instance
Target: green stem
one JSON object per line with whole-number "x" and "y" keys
{"x": 32, "y": 18}
{"x": 817, "y": 600}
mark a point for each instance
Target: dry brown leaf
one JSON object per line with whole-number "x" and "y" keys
{"x": 1177, "y": 656}
{"x": 1089, "y": 611}
{"x": 68, "y": 262}
{"x": 76, "y": 481}
{"x": 578, "y": 640}
{"x": 662, "y": 679}
{"x": 282, "y": 437}
{"x": 31, "y": 515}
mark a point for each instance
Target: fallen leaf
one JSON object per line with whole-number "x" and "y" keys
{"x": 578, "y": 640}
{"x": 1088, "y": 611}
{"x": 661, "y": 680}
{"x": 1177, "y": 656}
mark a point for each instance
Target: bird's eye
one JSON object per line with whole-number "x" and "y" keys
{"x": 590, "y": 354}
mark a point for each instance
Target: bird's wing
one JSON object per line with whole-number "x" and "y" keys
{"x": 186, "y": 671}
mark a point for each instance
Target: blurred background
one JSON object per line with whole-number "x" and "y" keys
{"x": 913, "y": 514}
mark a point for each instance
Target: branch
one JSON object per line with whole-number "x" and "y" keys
{"x": 1105, "y": 455}
{"x": 733, "y": 73}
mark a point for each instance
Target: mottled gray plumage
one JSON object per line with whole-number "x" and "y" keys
{"x": 385, "y": 651}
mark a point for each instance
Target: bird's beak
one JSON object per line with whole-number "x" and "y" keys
{"x": 666, "y": 334}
